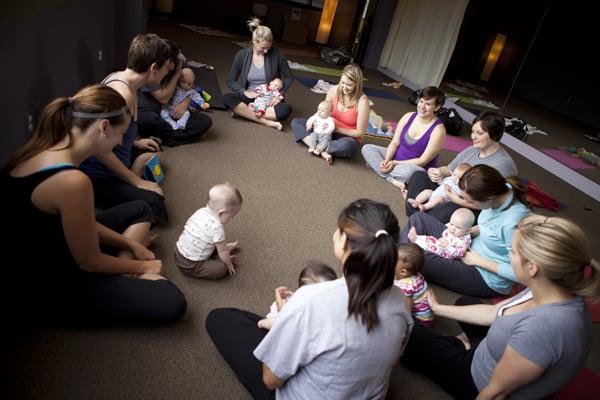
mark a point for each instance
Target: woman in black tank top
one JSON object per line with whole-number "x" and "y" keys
{"x": 78, "y": 267}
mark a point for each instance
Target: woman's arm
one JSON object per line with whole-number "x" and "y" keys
{"x": 284, "y": 72}
{"x": 112, "y": 163}
{"x": 70, "y": 194}
{"x": 477, "y": 314}
{"x": 456, "y": 199}
{"x": 114, "y": 239}
{"x": 234, "y": 73}
{"x": 361, "y": 121}
{"x": 433, "y": 148}
{"x": 473, "y": 258}
{"x": 395, "y": 143}
{"x": 512, "y": 371}
{"x": 163, "y": 94}
{"x": 271, "y": 380}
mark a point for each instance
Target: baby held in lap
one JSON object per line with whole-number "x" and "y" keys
{"x": 428, "y": 199}
{"x": 455, "y": 240}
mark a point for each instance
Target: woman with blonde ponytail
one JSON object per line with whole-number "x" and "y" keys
{"x": 537, "y": 340}
{"x": 256, "y": 65}
{"x": 337, "y": 339}
{"x": 64, "y": 275}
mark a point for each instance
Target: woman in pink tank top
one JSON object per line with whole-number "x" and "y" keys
{"x": 350, "y": 113}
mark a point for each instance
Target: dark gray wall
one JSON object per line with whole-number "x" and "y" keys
{"x": 50, "y": 49}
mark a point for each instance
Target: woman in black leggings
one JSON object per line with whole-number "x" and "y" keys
{"x": 74, "y": 268}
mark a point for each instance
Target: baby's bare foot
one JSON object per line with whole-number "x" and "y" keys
{"x": 412, "y": 234}
{"x": 464, "y": 339}
{"x": 328, "y": 157}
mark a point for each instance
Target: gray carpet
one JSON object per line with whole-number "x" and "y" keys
{"x": 291, "y": 203}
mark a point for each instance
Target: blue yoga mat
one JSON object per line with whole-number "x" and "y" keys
{"x": 310, "y": 82}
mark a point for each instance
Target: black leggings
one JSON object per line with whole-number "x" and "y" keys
{"x": 69, "y": 296}
{"x": 420, "y": 181}
{"x": 236, "y": 334}
{"x": 444, "y": 359}
{"x": 282, "y": 109}
{"x": 111, "y": 191}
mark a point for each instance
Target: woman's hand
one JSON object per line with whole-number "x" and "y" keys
{"x": 150, "y": 186}
{"x": 472, "y": 258}
{"x": 152, "y": 267}
{"x": 435, "y": 175}
{"x": 251, "y": 95}
{"x": 432, "y": 300}
{"x": 147, "y": 144}
{"x": 282, "y": 293}
{"x": 451, "y": 195}
{"x": 178, "y": 110}
{"x": 141, "y": 252}
{"x": 386, "y": 166}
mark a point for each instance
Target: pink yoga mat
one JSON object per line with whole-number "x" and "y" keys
{"x": 567, "y": 159}
{"x": 456, "y": 144}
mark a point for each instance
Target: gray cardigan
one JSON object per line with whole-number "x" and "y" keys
{"x": 276, "y": 66}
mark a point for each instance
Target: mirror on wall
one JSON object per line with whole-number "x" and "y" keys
{"x": 531, "y": 61}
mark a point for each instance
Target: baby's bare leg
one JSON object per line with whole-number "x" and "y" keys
{"x": 433, "y": 202}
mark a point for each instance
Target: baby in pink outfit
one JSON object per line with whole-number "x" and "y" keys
{"x": 455, "y": 240}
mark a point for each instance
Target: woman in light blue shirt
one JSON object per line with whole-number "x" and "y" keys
{"x": 485, "y": 271}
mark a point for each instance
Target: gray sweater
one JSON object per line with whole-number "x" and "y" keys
{"x": 276, "y": 66}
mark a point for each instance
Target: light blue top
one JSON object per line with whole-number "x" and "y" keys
{"x": 496, "y": 229}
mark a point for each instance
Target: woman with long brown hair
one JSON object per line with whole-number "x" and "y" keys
{"x": 79, "y": 267}
{"x": 485, "y": 271}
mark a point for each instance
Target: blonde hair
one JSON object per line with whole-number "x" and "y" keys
{"x": 559, "y": 248}
{"x": 354, "y": 74}
{"x": 259, "y": 32}
{"x": 224, "y": 195}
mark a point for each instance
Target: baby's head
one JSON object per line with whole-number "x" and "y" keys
{"x": 225, "y": 201}
{"x": 411, "y": 259}
{"x": 324, "y": 109}
{"x": 460, "y": 222}
{"x": 276, "y": 85}
{"x": 459, "y": 171}
{"x": 187, "y": 79}
{"x": 315, "y": 272}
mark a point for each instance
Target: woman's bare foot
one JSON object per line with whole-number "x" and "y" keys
{"x": 328, "y": 157}
{"x": 272, "y": 124}
{"x": 412, "y": 234}
{"x": 464, "y": 339}
{"x": 412, "y": 202}
{"x": 400, "y": 185}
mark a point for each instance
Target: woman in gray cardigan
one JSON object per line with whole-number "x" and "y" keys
{"x": 256, "y": 65}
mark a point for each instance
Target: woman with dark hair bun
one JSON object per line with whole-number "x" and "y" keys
{"x": 337, "y": 339}
{"x": 485, "y": 270}
{"x": 487, "y": 131}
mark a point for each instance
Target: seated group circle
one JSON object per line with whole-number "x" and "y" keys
{"x": 90, "y": 149}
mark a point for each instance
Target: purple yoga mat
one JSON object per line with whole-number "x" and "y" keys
{"x": 456, "y": 144}
{"x": 567, "y": 159}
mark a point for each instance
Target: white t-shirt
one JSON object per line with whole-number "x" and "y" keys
{"x": 202, "y": 230}
{"x": 323, "y": 354}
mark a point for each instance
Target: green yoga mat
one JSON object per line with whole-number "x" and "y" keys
{"x": 321, "y": 70}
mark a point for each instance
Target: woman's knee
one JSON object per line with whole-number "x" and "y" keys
{"x": 230, "y": 100}
{"x": 171, "y": 306}
{"x": 282, "y": 111}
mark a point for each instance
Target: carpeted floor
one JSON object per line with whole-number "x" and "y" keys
{"x": 291, "y": 203}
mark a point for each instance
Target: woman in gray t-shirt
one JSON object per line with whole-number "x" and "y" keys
{"x": 537, "y": 341}
{"x": 487, "y": 131}
{"x": 336, "y": 340}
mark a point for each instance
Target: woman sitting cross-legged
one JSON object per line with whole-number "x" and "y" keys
{"x": 488, "y": 128}
{"x": 350, "y": 112}
{"x": 485, "y": 270}
{"x": 337, "y": 339}
{"x": 536, "y": 341}
{"x": 68, "y": 271}
{"x": 258, "y": 65}
{"x": 416, "y": 144}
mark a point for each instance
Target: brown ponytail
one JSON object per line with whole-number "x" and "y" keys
{"x": 55, "y": 122}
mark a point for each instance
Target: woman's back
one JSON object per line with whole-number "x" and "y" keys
{"x": 330, "y": 355}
